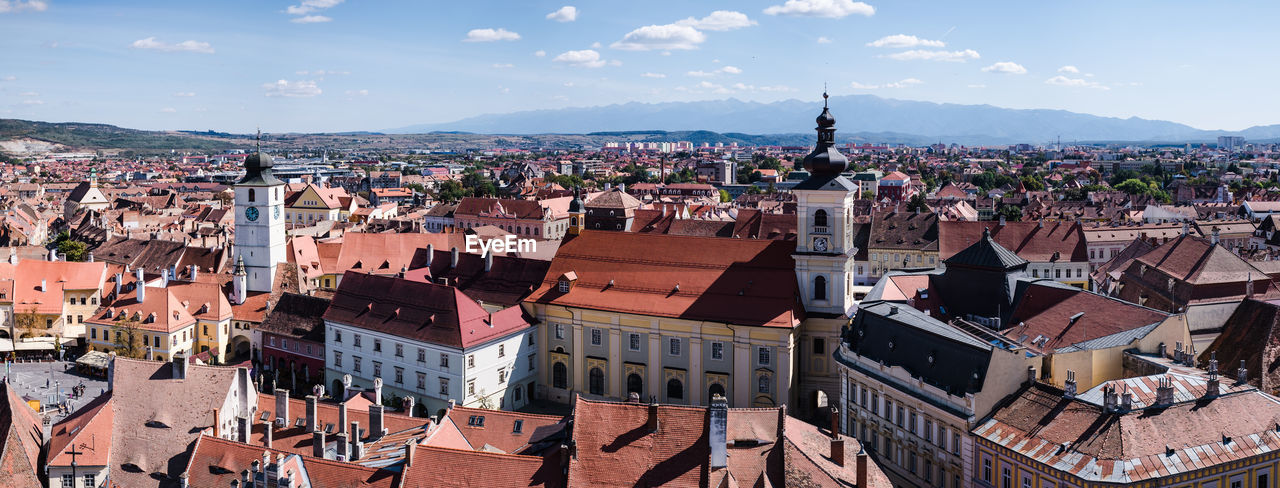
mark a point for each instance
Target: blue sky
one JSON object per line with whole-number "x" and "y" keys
{"x": 332, "y": 65}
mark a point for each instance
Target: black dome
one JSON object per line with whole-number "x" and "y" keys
{"x": 825, "y": 119}
{"x": 257, "y": 161}
{"x": 825, "y": 160}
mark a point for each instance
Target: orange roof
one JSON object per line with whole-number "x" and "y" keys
{"x": 497, "y": 427}
{"x": 88, "y": 430}
{"x": 160, "y": 311}
{"x": 57, "y": 276}
{"x": 467, "y": 469}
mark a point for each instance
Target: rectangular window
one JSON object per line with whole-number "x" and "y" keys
{"x": 422, "y": 380}
{"x": 93, "y": 333}
{"x": 532, "y": 363}
{"x": 502, "y": 350}
{"x": 422, "y": 355}
{"x": 819, "y": 345}
{"x": 901, "y": 410}
{"x": 559, "y": 331}
{"x": 337, "y": 359}
{"x": 888, "y": 409}
{"x": 337, "y": 336}
{"x": 863, "y": 398}
{"x": 444, "y": 361}
{"x": 502, "y": 376}
{"x": 399, "y": 350}
{"x": 875, "y": 403}
{"x": 471, "y": 361}
{"x": 595, "y": 337}
{"x": 90, "y": 481}
{"x": 928, "y": 431}
{"x": 377, "y": 345}
{"x": 633, "y": 342}
{"x": 377, "y": 369}
{"x": 471, "y": 387}
{"x": 764, "y": 354}
{"x": 955, "y": 444}
{"x": 1006, "y": 478}
{"x": 68, "y": 481}
{"x": 284, "y": 343}
{"x": 986, "y": 469}
{"x": 675, "y": 346}
{"x": 717, "y": 350}
{"x": 399, "y": 375}
{"x": 355, "y": 341}
{"x": 444, "y": 387}
{"x": 355, "y": 363}
{"x": 911, "y": 422}
{"x": 530, "y": 339}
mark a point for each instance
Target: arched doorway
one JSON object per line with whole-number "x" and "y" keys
{"x": 715, "y": 389}
{"x": 240, "y": 348}
{"x": 635, "y": 384}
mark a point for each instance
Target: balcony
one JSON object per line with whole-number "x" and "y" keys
{"x": 821, "y": 229}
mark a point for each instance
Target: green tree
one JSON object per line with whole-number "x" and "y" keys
{"x": 1011, "y": 213}
{"x": 1133, "y": 186}
{"x": 127, "y": 338}
{"x": 451, "y": 192}
{"x": 917, "y": 204}
{"x": 724, "y": 196}
{"x": 1032, "y": 183}
{"x": 868, "y": 195}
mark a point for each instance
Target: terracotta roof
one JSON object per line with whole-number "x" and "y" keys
{"x": 496, "y": 428}
{"x": 298, "y": 440}
{"x": 615, "y": 448}
{"x": 1063, "y": 316}
{"x": 1250, "y": 336}
{"x": 384, "y": 253}
{"x": 736, "y": 281}
{"x": 904, "y": 230}
{"x": 299, "y": 316}
{"x": 159, "y": 311}
{"x": 88, "y": 430}
{"x": 1194, "y": 260}
{"x": 508, "y": 280}
{"x": 425, "y": 312}
{"x": 21, "y": 440}
{"x": 466, "y": 469}
{"x": 216, "y": 462}
{"x": 1032, "y": 241}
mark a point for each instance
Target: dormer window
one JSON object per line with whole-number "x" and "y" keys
{"x": 566, "y": 281}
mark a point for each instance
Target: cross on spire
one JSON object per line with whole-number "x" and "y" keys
{"x": 259, "y": 139}
{"x": 824, "y": 94}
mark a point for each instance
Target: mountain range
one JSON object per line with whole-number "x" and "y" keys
{"x": 860, "y": 118}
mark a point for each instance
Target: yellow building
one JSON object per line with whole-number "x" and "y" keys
{"x": 209, "y": 305}
{"x": 313, "y": 203}
{"x": 902, "y": 240}
{"x": 56, "y": 297}
{"x": 159, "y": 321}
{"x": 673, "y": 318}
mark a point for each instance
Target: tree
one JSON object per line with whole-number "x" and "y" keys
{"x": 27, "y": 324}
{"x": 450, "y": 191}
{"x": 127, "y": 338}
{"x": 724, "y": 196}
{"x": 1010, "y": 213}
{"x": 1032, "y": 183}
{"x": 1133, "y": 186}
{"x": 868, "y": 195}
{"x": 917, "y": 204}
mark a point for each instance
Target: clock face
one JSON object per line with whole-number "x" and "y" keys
{"x": 251, "y": 213}
{"x": 820, "y": 244}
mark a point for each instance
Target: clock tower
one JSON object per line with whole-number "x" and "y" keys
{"x": 260, "y": 234}
{"x": 824, "y": 213}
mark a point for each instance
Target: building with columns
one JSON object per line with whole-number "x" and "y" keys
{"x": 260, "y": 232}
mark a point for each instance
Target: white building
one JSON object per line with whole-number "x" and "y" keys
{"x": 428, "y": 341}
{"x": 260, "y": 234}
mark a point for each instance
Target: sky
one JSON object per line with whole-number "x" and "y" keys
{"x": 348, "y": 65}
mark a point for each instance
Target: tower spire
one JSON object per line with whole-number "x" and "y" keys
{"x": 259, "y": 139}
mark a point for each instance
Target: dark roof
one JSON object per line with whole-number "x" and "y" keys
{"x": 300, "y": 316}
{"x": 897, "y": 335}
{"x": 904, "y": 230}
{"x": 1250, "y": 336}
{"x": 827, "y": 182}
{"x": 986, "y": 253}
{"x": 508, "y": 281}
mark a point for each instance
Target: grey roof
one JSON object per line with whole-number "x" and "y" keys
{"x": 986, "y": 253}
{"x": 823, "y": 182}
{"x": 1118, "y": 339}
{"x": 934, "y": 352}
{"x": 919, "y": 320}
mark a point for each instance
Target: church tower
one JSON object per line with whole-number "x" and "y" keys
{"x": 577, "y": 213}
{"x": 260, "y": 234}
{"x": 824, "y": 249}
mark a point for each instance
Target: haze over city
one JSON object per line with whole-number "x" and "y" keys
{"x": 334, "y": 65}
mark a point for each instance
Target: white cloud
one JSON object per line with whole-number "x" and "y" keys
{"x": 490, "y": 35}
{"x": 568, "y": 83}
{"x": 764, "y": 88}
{"x": 185, "y": 94}
{"x": 357, "y": 92}
{"x": 920, "y": 54}
{"x": 540, "y": 53}
{"x": 899, "y": 41}
{"x": 654, "y": 37}
{"x": 7, "y": 6}
{"x": 30, "y": 94}
{"x": 286, "y": 88}
{"x": 567, "y": 13}
{"x": 188, "y": 46}
{"x": 979, "y": 85}
{"x": 1068, "y": 69}
{"x": 653, "y": 75}
{"x": 720, "y": 20}
{"x": 169, "y": 110}
{"x": 732, "y": 70}
{"x": 596, "y": 45}
{"x": 311, "y": 19}
{"x": 33, "y": 102}
{"x": 308, "y": 6}
{"x": 503, "y": 65}
{"x": 1075, "y": 83}
{"x": 321, "y": 72}
{"x": 585, "y": 58}
{"x": 897, "y": 84}
{"x": 831, "y": 9}
{"x": 1006, "y": 67}
{"x": 9, "y": 78}
{"x": 824, "y": 40}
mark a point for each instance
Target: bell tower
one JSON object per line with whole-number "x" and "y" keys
{"x": 824, "y": 249}
{"x": 577, "y": 213}
{"x": 260, "y": 234}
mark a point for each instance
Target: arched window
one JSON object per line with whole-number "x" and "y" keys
{"x": 253, "y": 195}
{"x": 596, "y": 383}
{"x": 820, "y": 288}
{"x": 715, "y": 389}
{"x": 635, "y": 384}
{"x": 560, "y": 376}
{"x": 675, "y": 389}
{"x": 820, "y": 221}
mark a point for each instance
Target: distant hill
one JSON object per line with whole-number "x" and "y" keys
{"x": 101, "y": 136}
{"x": 860, "y": 117}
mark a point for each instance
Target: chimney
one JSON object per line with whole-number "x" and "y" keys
{"x": 1164, "y": 392}
{"x": 183, "y": 482}
{"x": 141, "y": 286}
{"x": 453, "y": 258}
{"x": 862, "y": 469}
{"x": 408, "y": 405}
{"x": 488, "y": 261}
{"x": 431, "y": 254}
{"x": 377, "y": 390}
{"x": 1031, "y": 375}
{"x": 317, "y": 443}
{"x": 1214, "y": 238}
{"x": 1177, "y": 352}
{"x": 633, "y": 397}
{"x": 376, "y": 431}
{"x": 268, "y": 432}
{"x": 53, "y": 254}
{"x": 282, "y": 408}
{"x": 311, "y": 413}
{"x": 178, "y": 364}
{"x": 44, "y": 286}
{"x": 164, "y": 278}
{"x": 193, "y": 271}
{"x": 1242, "y": 374}
{"x": 837, "y": 451}
{"x": 150, "y": 354}
{"x": 1002, "y": 220}
{"x": 1069, "y": 388}
{"x": 1162, "y": 350}
{"x": 835, "y": 421}
{"x": 111, "y": 369}
{"x": 342, "y": 418}
{"x": 357, "y": 445}
{"x": 1126, "y": 400}
{"x": 1212, "y": 387}
{"x": 653, "y": 417}
{"x": 119, "y": 282}
{"x": 719, "y": 430}
{"x": 343, "y": 444}
{"x": 217, "y": 423}
{"x": 243, "y": 427}
{"x": 409, "y": 447}
{"x": 1110, "y": 402}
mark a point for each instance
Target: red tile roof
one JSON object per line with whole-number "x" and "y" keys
{"x": 616, "y": 448}
{"x": 21, "y": 440}
{"x": 216, "y": 462}
{"x": 736, "y": 281}
{"x": 1033, "y": 241}
{"x": 497, "y": 429}
{"x": 441, "y": 467}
